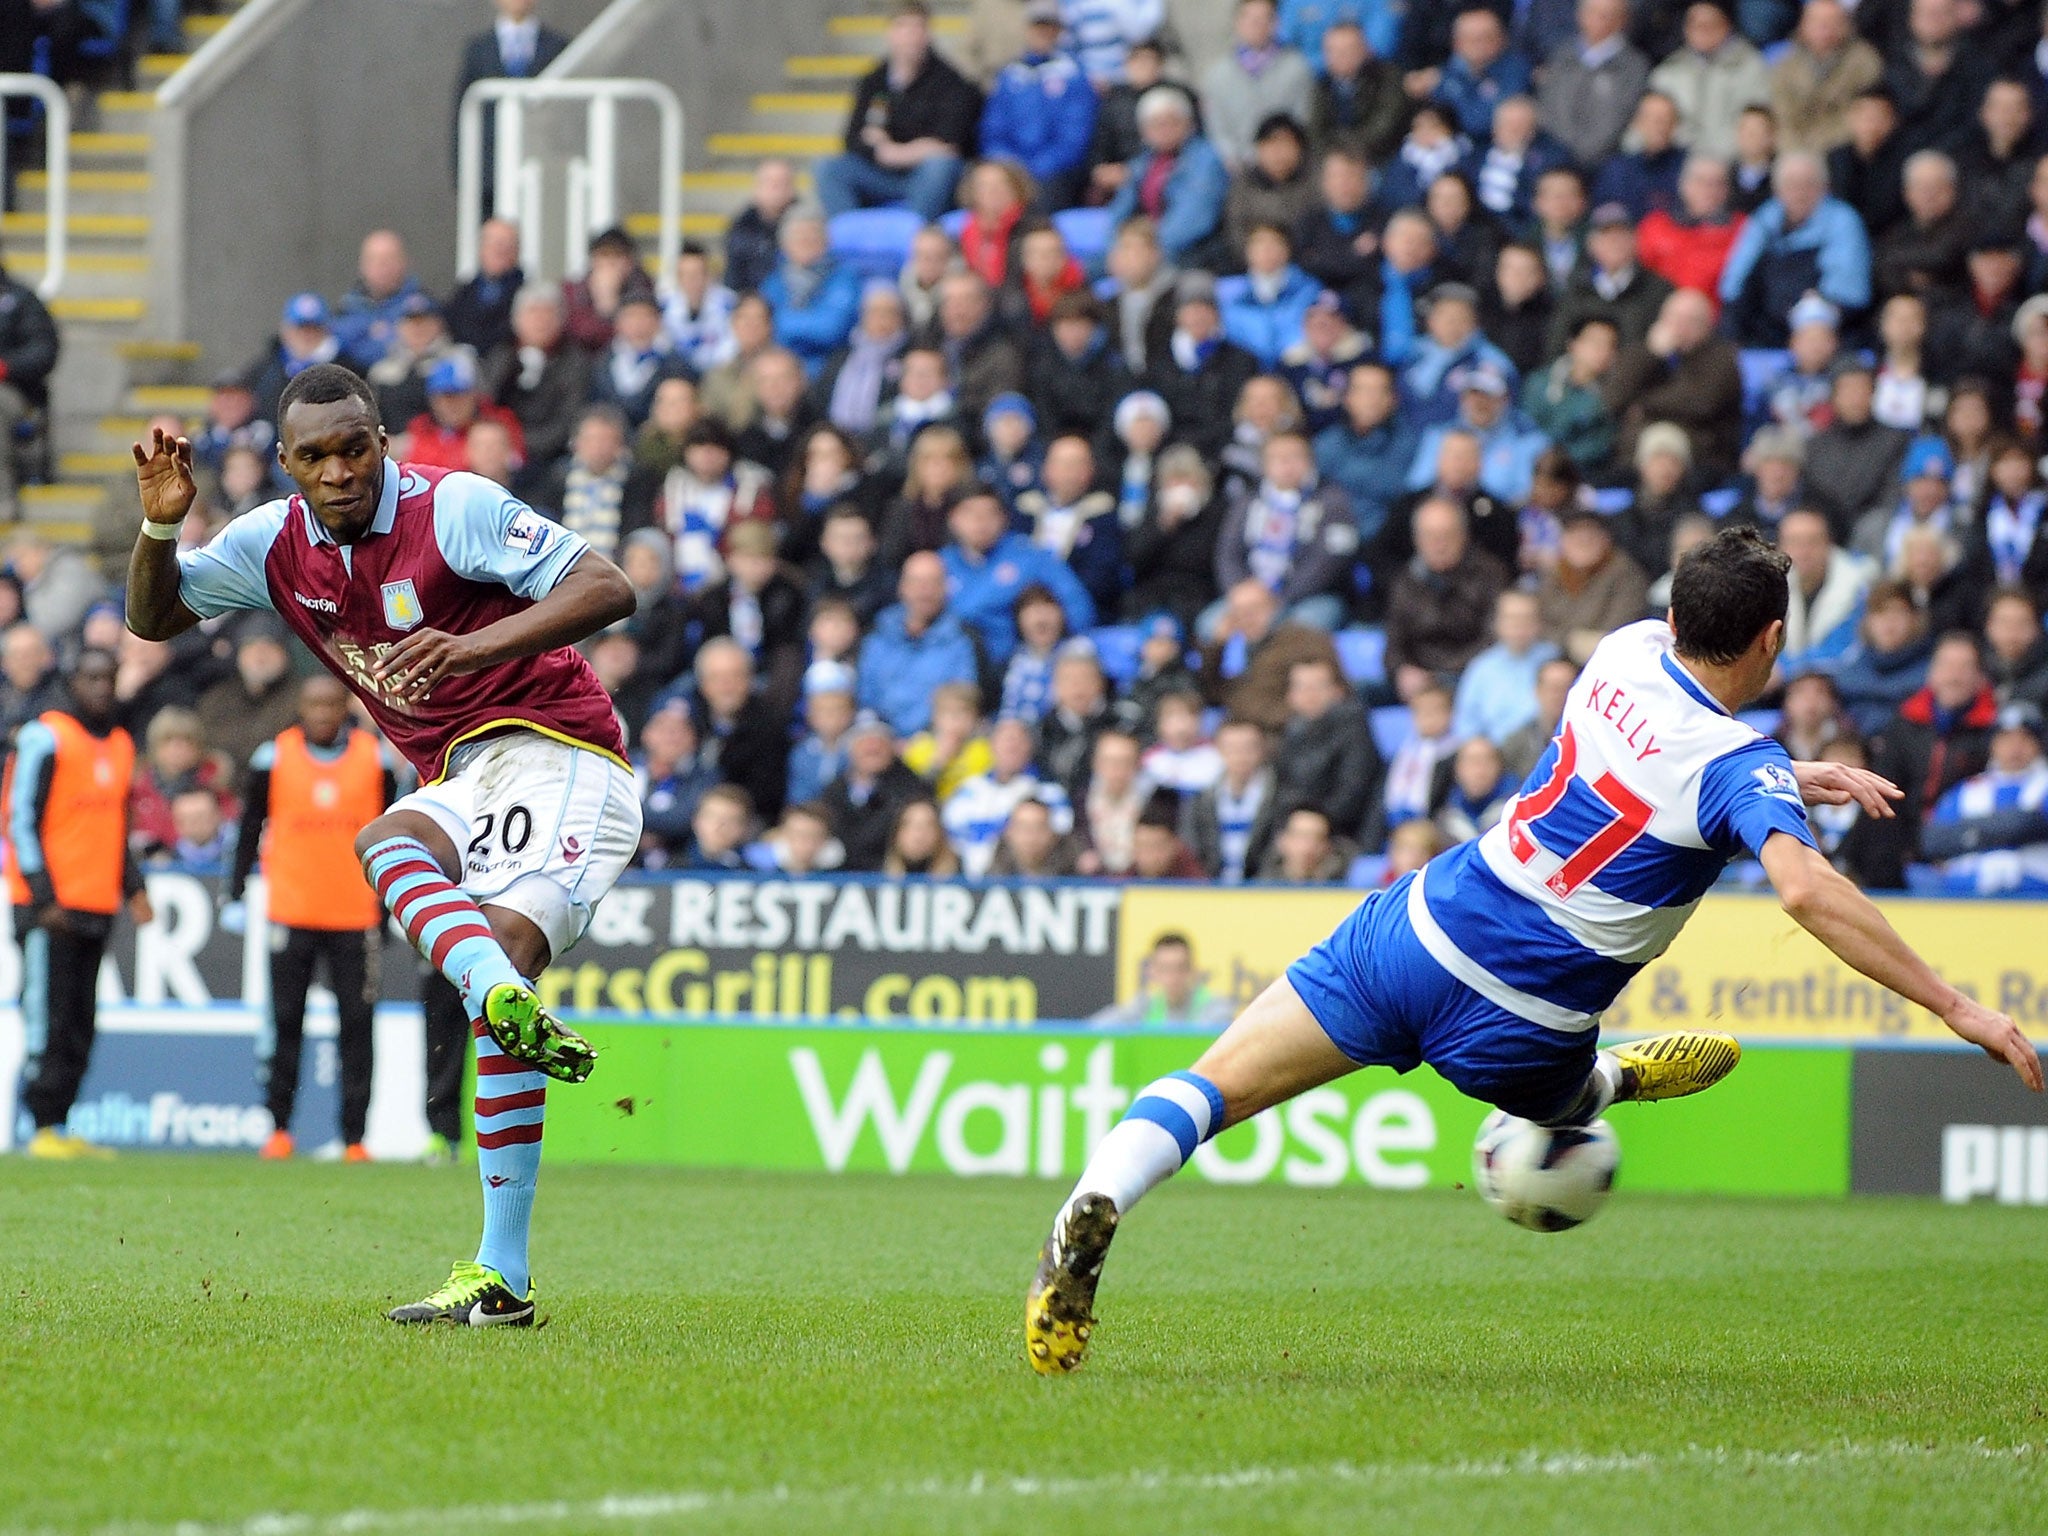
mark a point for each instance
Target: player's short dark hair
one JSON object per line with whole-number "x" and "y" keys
{"x": 324, "y": 384}
{"x": 1725, "y": 593}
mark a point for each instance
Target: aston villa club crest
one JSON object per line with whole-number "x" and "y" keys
{"x": 402, "y": 605}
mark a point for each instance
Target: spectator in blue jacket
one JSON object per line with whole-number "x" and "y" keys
{"x": 1303, "y": 23}
{"x": 1450, "y": 339}
{"x": 1481, "y": 73}
{"x": 1074, "y": 522}
{"x": 1264, "y": 310}
{"x": 366, "y": 319}
{"x": 638, "y": 361}
{"x": 915, "y": 646}
{"x": 815, "y": 299}
{"x": 1509, "y": 442}
{"x": 1178, "y": 182}
{"x": 987, "y": 564}
{"x": 1369, "y": 453}
{"x": 1801, "y": 241}
{"x": 1644, "y": 180}
{"x": 1041, "y": 113}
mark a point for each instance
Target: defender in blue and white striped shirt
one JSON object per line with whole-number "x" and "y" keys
{"x": 1494, "y": 962}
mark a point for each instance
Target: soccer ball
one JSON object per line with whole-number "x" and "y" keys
{"x": 1546, "y": 1179}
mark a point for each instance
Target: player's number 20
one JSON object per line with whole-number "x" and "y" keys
{"x": 514, "y": 832}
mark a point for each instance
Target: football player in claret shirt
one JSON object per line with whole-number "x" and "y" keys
{"x": 449, "y": 608}
{"x": 1494, "y": 961}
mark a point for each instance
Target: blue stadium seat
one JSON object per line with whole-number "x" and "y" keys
{"x": 875, "y": 241}
{"x": 1086, "y": 231}
{"x": 1760, "y": 369}
{"x": 1116, "y": 646}
{"x": 1926, "y": 880}
{"x": 1391, "y": 726}
{"x": 1764, "y": 720}
{"x": 1211, "y": 718}
{"x": 1365, "y": 871}
{"x": 1363, "y": 653}
{"x": 952, "y": 223}
{"x": 1720, "y": 501}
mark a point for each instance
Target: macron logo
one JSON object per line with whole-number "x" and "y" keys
{"x": 318, "y": 604}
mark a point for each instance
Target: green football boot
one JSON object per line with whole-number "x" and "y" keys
{"x": 474, "y": 1297}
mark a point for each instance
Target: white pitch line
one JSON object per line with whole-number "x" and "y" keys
{"x": 681, "y": 1505}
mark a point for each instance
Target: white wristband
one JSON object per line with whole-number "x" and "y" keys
{"x": 168, "y": 532}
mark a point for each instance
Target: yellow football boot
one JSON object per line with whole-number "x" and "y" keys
{"x": 1674, "y": 1065}
{"x": 1059, "y": 1310}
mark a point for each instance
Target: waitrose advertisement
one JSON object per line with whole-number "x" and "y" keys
{"x": 851, "y": 1025}
{"x": 977, "y": 1104}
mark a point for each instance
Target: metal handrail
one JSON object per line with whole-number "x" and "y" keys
{"x": 57, "y": 162}
{"x": 592, "y": 199}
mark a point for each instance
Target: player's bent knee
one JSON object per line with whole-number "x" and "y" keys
{"x": 409, "y": 824}
{"x": 545, "y": 920}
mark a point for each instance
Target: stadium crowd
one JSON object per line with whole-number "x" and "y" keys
{"x": 1229, "y": 467}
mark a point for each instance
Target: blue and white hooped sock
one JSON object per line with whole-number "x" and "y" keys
{"x": 511, "y": 1107}
{"x": 1158, "y": 1133}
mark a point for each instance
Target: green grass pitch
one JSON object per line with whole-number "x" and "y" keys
{"x": 198, "y": 1340}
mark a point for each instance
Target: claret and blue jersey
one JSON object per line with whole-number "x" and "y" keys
{"x": 450, "y": 551}
{"x": 1495, "y": 961}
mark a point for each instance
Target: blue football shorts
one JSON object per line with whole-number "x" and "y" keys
{"x": 1384, "y": 1001}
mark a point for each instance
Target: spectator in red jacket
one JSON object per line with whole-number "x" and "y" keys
{"x": 1688, "y": 246}
{"x": 440, "y": 435}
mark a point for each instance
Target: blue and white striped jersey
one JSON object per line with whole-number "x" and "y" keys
{"x": 1647, "y": 791}
{"x": 1995, "y": 871}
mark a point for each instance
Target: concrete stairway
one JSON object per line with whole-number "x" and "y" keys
{"x": 109, "y": 378}
{"x": 112, "y": 378}
{"x": 802, "y": 121}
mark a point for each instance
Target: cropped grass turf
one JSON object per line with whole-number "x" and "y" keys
{"x": 199, "y": 1340}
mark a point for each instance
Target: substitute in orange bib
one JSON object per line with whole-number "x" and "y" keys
{"x": 69, "y": 871}
{"x": 313, "y": 787}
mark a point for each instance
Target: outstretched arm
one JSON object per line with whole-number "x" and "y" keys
{"x": 163, "y": 476}
{"x": 1827, "y": 905}
{"x": 591, "y": 594}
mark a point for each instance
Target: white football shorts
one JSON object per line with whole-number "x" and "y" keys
{"x": 544, "y": 828}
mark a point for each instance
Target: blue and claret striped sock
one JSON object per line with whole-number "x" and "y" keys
{"x": 511, "y": 1104}
{"x": 439, "y": 918}
{"x": 1158, "y": 1133}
